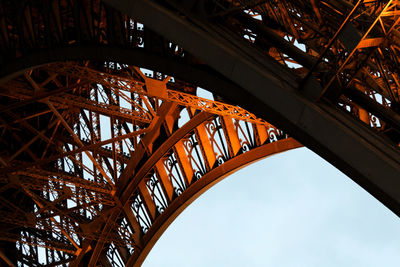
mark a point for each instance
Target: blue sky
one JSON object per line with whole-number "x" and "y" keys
{"x": 291, "y": 209}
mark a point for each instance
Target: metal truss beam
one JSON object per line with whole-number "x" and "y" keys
{"x": 271, "y": 93}
{"x": 93, "y": 180}
{"x": 98, "y": 159}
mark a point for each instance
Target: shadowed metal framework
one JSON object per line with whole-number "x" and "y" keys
{"x": 98, "y": 155}
{"x": 95, "y": 172}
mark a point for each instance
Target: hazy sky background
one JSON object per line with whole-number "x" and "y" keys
{"x": 291, "y": 209}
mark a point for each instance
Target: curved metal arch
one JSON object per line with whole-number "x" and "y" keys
{"x": 201, "y": 186}
{"x": 194, "y": 189}
{"x": 237, "y": 61}
{"x": 152, "y": 217}
{"x": 319, "y": 125}
{"x": 124, "y": 184}
{"x": 366, "y": 156}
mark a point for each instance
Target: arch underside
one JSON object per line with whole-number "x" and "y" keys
{"x": 331, "y": 100}
{"x": 105, "y": 157}
{"x": 88, "y": 199}
{"x": 94, "y": 196}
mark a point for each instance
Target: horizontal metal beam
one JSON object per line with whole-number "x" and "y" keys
{"x": 269, "y": 91}
{"x": 197, "y": 74}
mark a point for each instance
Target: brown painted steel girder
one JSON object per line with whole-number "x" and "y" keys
{"x": 272, "y": 90}
{"x": 102, "y": 155}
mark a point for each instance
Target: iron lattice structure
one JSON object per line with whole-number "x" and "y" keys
{"x": 98, "y": 155}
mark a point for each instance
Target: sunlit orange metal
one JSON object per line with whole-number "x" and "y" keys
{"x": 209, "y": 180}
{"x": 98, "y": 195}
{"x": 98, "y": 159}
{"x": 154, "y": 88}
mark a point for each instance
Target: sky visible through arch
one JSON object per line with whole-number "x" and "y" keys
{"x": 291, "y": 209}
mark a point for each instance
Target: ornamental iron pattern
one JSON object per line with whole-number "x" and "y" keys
{"x": 89, "y": 170}
{"x": 99, "y": 155}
